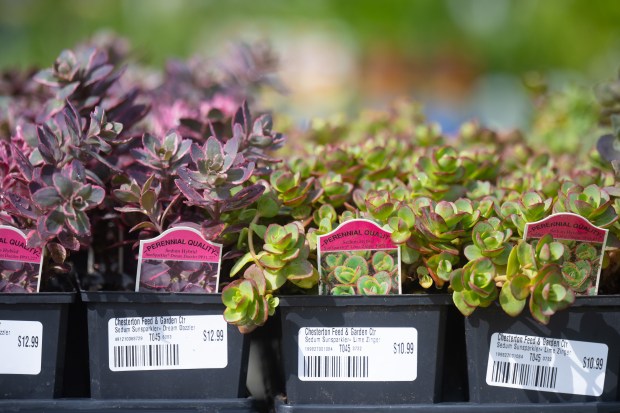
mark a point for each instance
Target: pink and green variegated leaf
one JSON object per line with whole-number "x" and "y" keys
{"x": 73, "y": 122}
{"x": 190, "y": 193}
{"x": 22, "y": 162}
{"x": 51, "y": 224}
{"x": 231, "y": 148}
{"x": 79, "y": 224}
{"x": 243, "y": 118}
{"x": 97, "y": 196}
{"x": 244, "y": 198}
{"x": 48, "y": 144}
{"x": 238, "y": 176}
{"x": 46, "y": 197}
{"x": 63, "y": 185}
{"x": 214, "y": 153}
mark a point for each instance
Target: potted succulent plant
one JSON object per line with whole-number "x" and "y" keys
{"x": 82, "y": 164}
{"x": 55, "y": 128}
{"x": 195, "y": 174}
{"x": 310, "y": 200}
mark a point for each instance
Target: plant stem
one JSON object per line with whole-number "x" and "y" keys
{"x": 251, "y": 241}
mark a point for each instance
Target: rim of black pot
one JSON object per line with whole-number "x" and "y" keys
{"x": 149, "y": 297}
{"x": 361, "y": 300}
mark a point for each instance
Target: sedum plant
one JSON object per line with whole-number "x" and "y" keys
{"x": 95, "y": 156}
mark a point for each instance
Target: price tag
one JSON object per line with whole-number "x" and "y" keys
{"x": 167, "y": 343}
{"x": 20, "y": 345}
{"x": 357, "y": 354}
{"x": 547, "y": 364}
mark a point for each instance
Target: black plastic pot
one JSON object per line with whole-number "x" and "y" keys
{"x": 346, "y": 375}
{"x": 40, "y": 338}
{"x": 594, "y": 320}
{"x": 143, "y": 354}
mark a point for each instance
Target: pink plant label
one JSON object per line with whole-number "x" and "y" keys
{"x": 566, "y": 226}
{"x": 179, "y": 260}
{"x": 20, "y": 265}
{"x": 584, "y": 245}
{"x": 357, "y": 234}
{"x": 358, "y": 258}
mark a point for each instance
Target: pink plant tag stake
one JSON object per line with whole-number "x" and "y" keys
{"x": 584, "y": 244}
{"x": 20, "y": 266}
{"x": 358, "y": 258}
{"x": 179, "y": 260}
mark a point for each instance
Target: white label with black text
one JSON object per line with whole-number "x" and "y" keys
{"x": 357, "y": 354}
{"x": 547, "y": 364}
{"x": 20, "y": 345}
{"x": 167, "y": 343}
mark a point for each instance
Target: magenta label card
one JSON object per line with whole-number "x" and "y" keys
{"x": 358, "y": 258}
{"x": 584, "y": 244}
{"x": 20, "y": 266}
{"x": 179, "y": 260}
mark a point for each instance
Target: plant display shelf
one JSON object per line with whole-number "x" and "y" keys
{"x": 138, "y": 405}
{"x": 596, "y": 407}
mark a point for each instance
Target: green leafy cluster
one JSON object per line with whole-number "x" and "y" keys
{"x": 458, "y": 211}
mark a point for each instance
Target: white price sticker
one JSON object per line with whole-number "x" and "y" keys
{"x": 357, "y": 354}
{"x": 20, "y": 345}
{"x": 547, "y": 364}
{"x": 167, "y": 343}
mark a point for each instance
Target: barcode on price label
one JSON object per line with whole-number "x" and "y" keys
{"x": 546, "y": 364}
{"x": 21, "y": 344}
{"x": 357, "y": 354}
{"x": 167, "y": 343}
{"x": 335, "y": 366}
{"x": 146, "y": 356}
{"x": 524, "y": 374}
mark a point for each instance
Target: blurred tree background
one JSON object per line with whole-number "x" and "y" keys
{"x": 462, "y": 58}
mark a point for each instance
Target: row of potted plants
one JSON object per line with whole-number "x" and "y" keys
{"x": 96, "y": 156}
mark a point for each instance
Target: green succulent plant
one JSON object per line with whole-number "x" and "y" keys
{"x": 530, "y": 207}
{"x": 247, "y": 302}
{"x": 457, "y": 213}
{"x": 549, "y": 293}
{"x": 294, "y": 192}
{"x": 474, "y": 285}
{"x": 534, "y": 272}
{"x": 282, "y": 259}
{"x": 489, "y": 240}
{"x": 591, "y": 202}
{"x": 442, "y": 173}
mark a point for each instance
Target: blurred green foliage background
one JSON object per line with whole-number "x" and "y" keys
{"x": 462, "y": 57}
